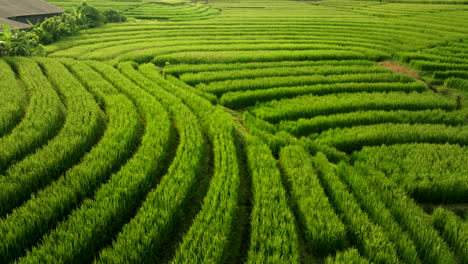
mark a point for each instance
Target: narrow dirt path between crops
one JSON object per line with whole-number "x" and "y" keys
{"x": 401, "y": 69}
{"x": 398, "y": 68}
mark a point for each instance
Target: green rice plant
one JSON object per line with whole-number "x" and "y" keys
{"x": 442, "y": 75}
{"x": 221, "y": 87}
{"x": 409, "y": 57}
{"x": 82, "y": 128}
{"x": 208, "y": 237}
{"x": 253, "y": 122}
{"x": 26, "y": 224}
{"x": 370, "y": 238}
{"x": 212, "y": 76}
{"x": 77, "y": 238}
{"x": 116, "y": 44}
{"x": 437, "y": 66}
{"x": 453, "y": 230}
{"x": 166, "y": 43}
{"x": 176, "y": 12}
{"x": 213, "y": 47}
{"x": 13, "y": 101}
{"x": 324, "y": 230}
{"x": 350, "y": 256}
{"x": 309, "y": 106}
{"x": 411, "y": 217}
{"x": 457, "y": 83}
{"x": 429, "y": 173}
{"x": 240, "y": 99}
{"x": 371, "y": 203}
{"x": 43, "y": 118}
{"x": 243, "y": 56}
{"x": 162, "y": 207}
{"x": 93, "y": 81}
{"x": 318, "y": 124}
{"x": 207, "y": 96}
{"x": 273, "y": 235}
{"x": 354, "y": 138}
{"x": 331, "y": 153}
{"x": 179, "y": 69}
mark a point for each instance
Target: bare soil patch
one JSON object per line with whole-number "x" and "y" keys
{"x": 398, "y": 68}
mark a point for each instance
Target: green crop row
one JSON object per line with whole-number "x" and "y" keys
{"x": 354, "y": 138}
{"x": 221, "y": 87}
{"x": 115, "y": 46}
{"x": 244, "y": 56}
{"x": 179, "y": 69}
{"x": 210, "y": 97}
{"x": 207, "y": 77}
{"x": 437, "y": 66}
{"x": 273, "y": 236}
{"x": 241, "y": 99}
{"x": 370, "y": 238}
{"x": 81, "y": 234}
{"x": 409, "y": 57}
{"x": 304, "y": 127}
{"x": 82, "y": 128}
{"x": 277, "y": 140}
{"x": 156, "y": 217}
{"x": 453, "y": 230}
{"x": 43, "y": 117}
{"x": 379, "y": 213}
{"x": 323, "y": 229}
{"x": 347, "y": 257}
{"x": 447, "y": 74}
{"x": 431, "y": 247}
{"x": 421, "y": 169}
{"x": 26, "y": 224}
{"x": 310, "y": 106}
{"x": 457, "y": 83}
{"x": 13, "y": 102}
{"x": 179, "y": 12}
{"x": 301, "y": 51}
{"x": 208, "y": 237}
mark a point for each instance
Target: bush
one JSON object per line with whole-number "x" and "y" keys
{"x": 88, "y": 16}
{"x": 54, "y": 28}
{"x": 112, "y": 16}
{"x": 19, "y": 43}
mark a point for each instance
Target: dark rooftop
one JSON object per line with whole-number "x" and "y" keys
{"x": 24, "y": 8}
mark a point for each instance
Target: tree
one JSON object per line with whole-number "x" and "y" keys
{"x": 19, "y": 43}
{"x": 88, "y": 16}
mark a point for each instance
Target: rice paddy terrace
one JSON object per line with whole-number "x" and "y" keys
{"x": 241, "y": 131}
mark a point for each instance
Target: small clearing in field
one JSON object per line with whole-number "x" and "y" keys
{"x": 398, "y": 68}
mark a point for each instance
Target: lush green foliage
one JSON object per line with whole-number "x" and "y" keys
{"x": 43, "y": 117}
{"x": 369, "y": 237}
{"x": 271, "y": 218}
{"x": 453, "y": 230}
{"x": 52, "y": 29}
{"x": 12, "y": 101}
{"x": 411, "y": 217}
{"x": 164, "y": 205}
{"x": 421, "y": 169}
{"x": 237, "y": 131}
{"x": 323, "y": 228}
{"x": 19, "y": 43}
{"x": 26, "y": 224}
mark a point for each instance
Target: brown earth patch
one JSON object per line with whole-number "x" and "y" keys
{"x": 398, "y": 68}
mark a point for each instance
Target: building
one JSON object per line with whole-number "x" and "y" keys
{"x": 17, "y": 13}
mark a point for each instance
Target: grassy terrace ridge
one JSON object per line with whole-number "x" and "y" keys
{"x": 247, "y": 131}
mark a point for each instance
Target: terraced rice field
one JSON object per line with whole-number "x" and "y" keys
{"x": 172, "y": 10}
{"x": 242, "y": 132}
